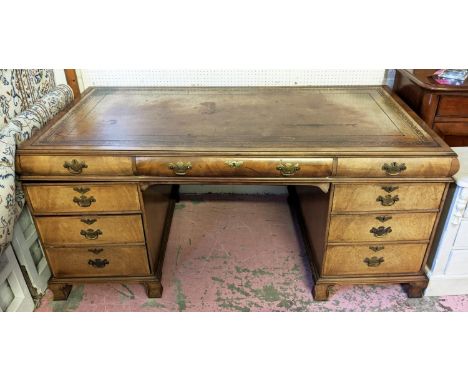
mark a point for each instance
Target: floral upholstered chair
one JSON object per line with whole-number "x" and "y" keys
{"x": 28, "y": 100}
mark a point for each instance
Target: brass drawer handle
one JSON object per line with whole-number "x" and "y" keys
{"x": 88, "y": 221}
{"x": 96, "y": 251}
{"x": 91, "y": 234}
{"x": 380, "y": 231}
{"x": 376, "y": 248}
{"x": 374, "y": 261}
{"x": 98, "y": 263}
{"x": 388, "y": 200}
{"x": 394, "y": 168}
{"x": 180, "y": 168}
{"x": 75, "y": 166}
{"x": 234, "y": 163}
{"x": 288, "y": 169}
{"x": 84, "y": 201}
{"x": 383, "y": 218}
{"x": 390, "y": 189}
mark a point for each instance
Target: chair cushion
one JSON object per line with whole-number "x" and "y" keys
{"x": 20, "y": 128}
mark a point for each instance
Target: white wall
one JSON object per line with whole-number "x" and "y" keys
{"x": 232, "y": 77}
{"x": 60, "y": 76}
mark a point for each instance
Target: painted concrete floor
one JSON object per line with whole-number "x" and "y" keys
{"x": 240, "y": 253}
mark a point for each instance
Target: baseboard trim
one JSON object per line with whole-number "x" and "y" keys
{"x": 447, "y": 286}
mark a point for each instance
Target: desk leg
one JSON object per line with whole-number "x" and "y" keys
{"x": 320, "y": 292}
{"x": 416, "y": 289}
{"x": 175, "y": 193}
{"x": 154, "y": 289}
{"x": 60, "y": 291}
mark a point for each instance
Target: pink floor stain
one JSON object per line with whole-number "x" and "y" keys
{"x": 240, "y": 253}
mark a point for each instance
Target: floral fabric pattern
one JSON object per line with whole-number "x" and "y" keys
{"x": 18, "y": 129}
{"x": 20, "y": 88}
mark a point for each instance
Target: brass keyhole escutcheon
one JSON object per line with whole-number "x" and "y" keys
{"x": 234, "y": 163}
{"x": 88, "y": 221}
{"x": 288, "y": 169}
{"x": 383, "y": 218}
{"x": 96, "y": 251}
{"x": 180, "y": 168}
{"x": 75, "y": 166}
{"x": 81, "y": 190}
{"x": 390, "y": 189}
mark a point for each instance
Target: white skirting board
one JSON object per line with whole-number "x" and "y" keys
{"x": 447, "y": 286}
{"x": 444, "y": 285}
{"x": 14, "y": 293}
{"x": 30, "y": 254}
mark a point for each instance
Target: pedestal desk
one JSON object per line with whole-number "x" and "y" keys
{"x": 367, "y": 178}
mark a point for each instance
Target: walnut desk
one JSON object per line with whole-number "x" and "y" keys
{"x": 367, "y": 178}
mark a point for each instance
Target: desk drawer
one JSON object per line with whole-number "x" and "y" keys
{"x": 90, "y": 230}
{"x": 80, "y": 165}
{"x": 83, "y": 198}
{"x": 98, "y": 261}
{"x": 234, "y": 167}
{"x": 453, "y": 106}
{"x": 381, "y": 227}
{"x": 387, "y": 197}
{"x": 396, "y": 167}
{"x": 373, "y": 259}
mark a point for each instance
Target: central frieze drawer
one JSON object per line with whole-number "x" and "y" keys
{"x": 83, "y": 198}
{"x": 90, "y": 230}
{"x": 373, "y": 259}
{"x": 381, "y": 227}
{"x": 81, "y": 165}
{"x": 98, "y": 261}
{"x": 234, "y": 167}
{"x": 387, "y": 197}
{"x": 397, "y": 167}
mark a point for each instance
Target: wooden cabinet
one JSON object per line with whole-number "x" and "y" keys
{"x": 443, "y": 107}
{"x": 94, "y": 232}
{"x": 350, "y": 244}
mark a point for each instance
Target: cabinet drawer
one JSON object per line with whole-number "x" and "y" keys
{"x": 98, "y": 261}
{"x": 82, "y": 165}
{"x": 387, "y": 197}
{"x": 453, "y": 106}
{"x": 90, "y": 230}
{"x": 373, "y": 259}
{"x": 451, "y": 128}
{"x": 83, "y": 198}
{"x": 381, "y": 227}
{"x": 234, "y": 167}
{"x": 396, "y": 167}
